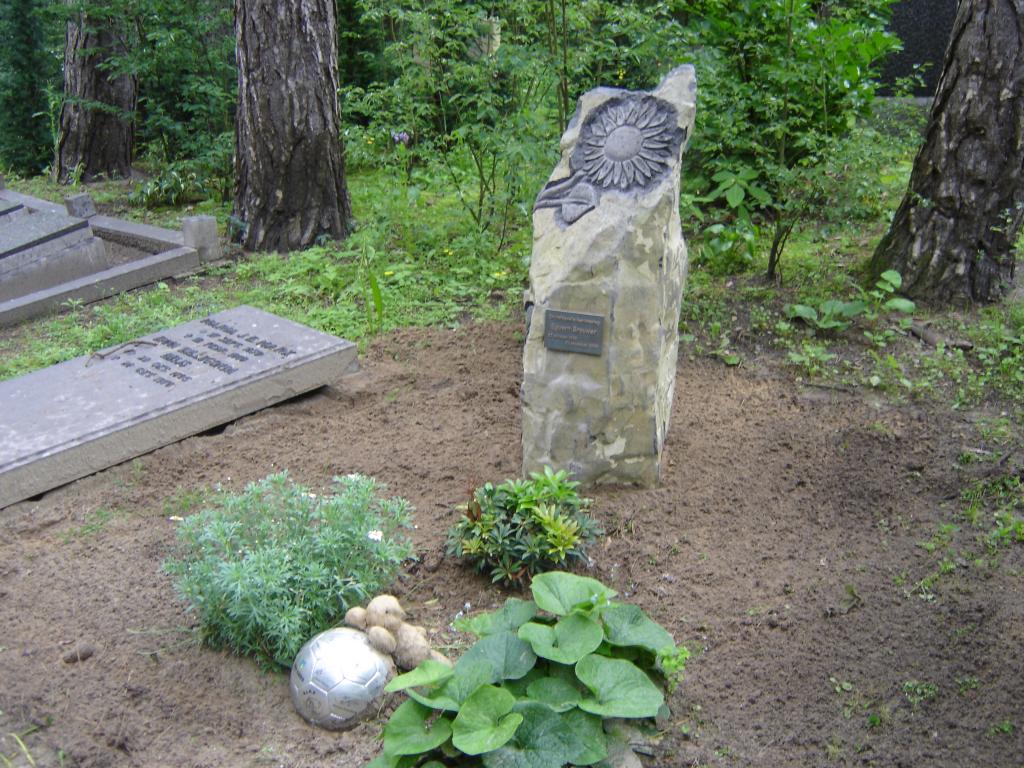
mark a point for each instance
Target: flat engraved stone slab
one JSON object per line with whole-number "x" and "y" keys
{"x": 78, "y": 417}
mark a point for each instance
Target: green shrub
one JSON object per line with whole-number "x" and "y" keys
{"x": 538, "y": 685}
{"x": 780, "y": 82}
{"x": 267, "y": 568}
{"x": 523, "y": 527}
{"x": 727, "y": 250}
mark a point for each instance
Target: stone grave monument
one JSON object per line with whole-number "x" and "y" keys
{"x": 81, "y": 416}
{"x": 606, "y": 280}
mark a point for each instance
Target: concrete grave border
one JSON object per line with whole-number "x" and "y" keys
{"x": 172, "y": 254}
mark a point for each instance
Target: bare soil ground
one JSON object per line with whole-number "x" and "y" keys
{"x": 783, "y": 548}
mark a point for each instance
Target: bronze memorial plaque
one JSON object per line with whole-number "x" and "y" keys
{"x": 574, "y": 332}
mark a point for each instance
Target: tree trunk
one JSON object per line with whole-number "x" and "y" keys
{"x": 952, "y": 238}
{"x": 96, "y": 131}
{"x": 289, "y": 163}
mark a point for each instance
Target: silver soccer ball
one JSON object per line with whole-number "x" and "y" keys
{"x": 338, "y": 678}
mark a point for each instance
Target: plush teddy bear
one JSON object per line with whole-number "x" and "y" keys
{"x": 383, "y": 621}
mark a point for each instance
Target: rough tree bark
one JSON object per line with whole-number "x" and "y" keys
{"x": 953, "y": 235}
{"x": 289, "y": 162}
{"x": 96, "y": 129}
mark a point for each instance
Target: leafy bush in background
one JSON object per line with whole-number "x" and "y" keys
{"x": 780, "y": 81}
{"x": 26, "y": 70}
{"x": 536, "y": 689}
{"x": 524, "y": 527}
{"x": 207, "y": 176}
{"x": 481, "y": 95}
{"x": 267, "y": 568}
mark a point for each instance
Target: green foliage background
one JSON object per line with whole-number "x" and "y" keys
{"x": 28, "y": 68}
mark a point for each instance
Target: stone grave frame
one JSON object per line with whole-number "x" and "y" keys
{"x": 162, "y": 253}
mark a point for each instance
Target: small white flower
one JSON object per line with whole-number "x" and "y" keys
{"x": 353, "y": 476}
{"x": 375, "y": 535}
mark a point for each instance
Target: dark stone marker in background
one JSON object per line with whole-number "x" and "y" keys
{"x": 87, "y": 414}
{"x": 924, "y": 26}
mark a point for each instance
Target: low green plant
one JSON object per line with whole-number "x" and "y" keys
{"x": 968, "y": 683}
{"x": 833, "y": 315}
{"x": 830, "y": 316}
{"x": 740, "y": 190}
{"x": 882, "y": 297}
{"x": 174, "y": 186}
{"x": 917, "y": 691}
{"x": 811, "y": 357}
{"x": 538, "y": 685}
{"x": 267, "y": 568}
{"x": 942, "y": 538}
{"x": 523, "y": 527}
{"x": 727, "y": 249}
{"x": 1005, "y": 728}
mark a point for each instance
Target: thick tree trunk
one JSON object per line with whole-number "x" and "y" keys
{"x": 289, "y": 163}
{"x": 96, "y": 130}
{"x": 953, "y": 235}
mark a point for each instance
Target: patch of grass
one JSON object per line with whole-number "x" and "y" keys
{"x": 1003, "y": 499}
{"x": 82, "y": 331}
{"x": 184, "y": 501}
{"x": 943, "y": 536}
{"x": 93, "y": 523}
{"x": 415, "y": 259}
{"x": 706, "y": 307}
{"x": 22, "y": 751}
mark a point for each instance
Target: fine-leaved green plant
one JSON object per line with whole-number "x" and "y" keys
{"x": 267, "y": 568}
{"x": 523, "y": 527}
{"x": 537, "y": 687}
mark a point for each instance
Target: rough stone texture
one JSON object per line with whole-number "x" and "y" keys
{"x": 41, "y": 228}
{"x": 10, "y": 211}
{"x": 79, "y": 417}
{"x": 607, "y": 241}
{"x": 42, "y": 250}
{"x": 80, "y": 205}
{"x": 144, "y": 237}
{"x": 200, "y": 232}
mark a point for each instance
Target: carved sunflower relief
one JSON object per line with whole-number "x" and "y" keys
{"x": 628, "y": 143}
